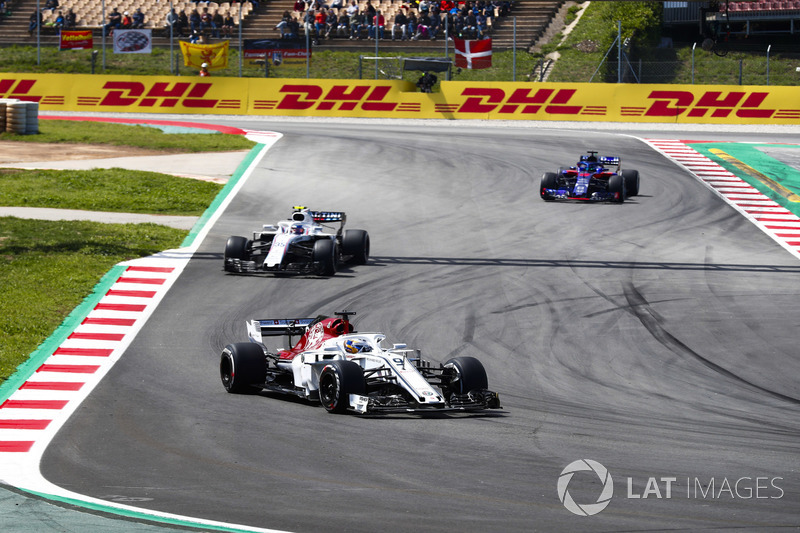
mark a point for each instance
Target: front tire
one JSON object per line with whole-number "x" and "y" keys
{"x": 242, "y": 367}
{"x": 236, "y": 248}
{"x": 337, "y": 381}
{"x": 325, "y": 255}
{"x": 465, "y": 374}
{"x": 549, "y": 181}
{"x": 616, "y": 186}
{"x": 355, "y": 243}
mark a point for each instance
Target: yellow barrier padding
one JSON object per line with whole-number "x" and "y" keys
{"x": 604, "y": 102}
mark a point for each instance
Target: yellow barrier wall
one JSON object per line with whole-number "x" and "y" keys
{"x": 710, "y": 104}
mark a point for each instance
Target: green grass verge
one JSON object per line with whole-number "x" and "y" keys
{"x": 119, "y": 190}
{"x": 48, "y": 267}
{"x": 86, "y": 132}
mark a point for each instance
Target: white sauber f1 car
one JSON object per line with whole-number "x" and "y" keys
{"x": 349, "y": 371}
{"x": 299, "y": 245}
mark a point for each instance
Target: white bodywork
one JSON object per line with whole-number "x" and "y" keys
{"x": 284, "y": 236}
{"x": 394, "y": 362}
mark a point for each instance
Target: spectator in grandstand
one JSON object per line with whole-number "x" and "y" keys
{"x": 481, "y": 26}
{"x": 227, "y": 25}
{"x": 35, "y": 21}
{"x": 424, "y": 8}
{"x": 330, "y": 24}
{"x": 308, "y": 22}
{"x": 60, "y": 21}
{"x": 358, "y": 23}
{"x": 446, "y": 5}
{"x": 352, "y": 8}
{"x": 216, "y": 20}
{"x": 299, "y": 6}
{"x": 184, "y": 24}
{"x": 52, "y": 5}
{"x": 70, "y": 20}
{"x": 433, "y": 29}
{"x": 114, "y": 21}
{"x": 423, "y": 23}
{"x": 337, "y": 4}
{"x": 283, "y": 25}
{"x": 471, "y": 25}
{"x": 342, "y": 23}
{"x": 319, "y": 22}
{"x": 399, "y": 27}
{"x": 194, "y": 21}
{"x": 207, "y": 23}
{"x": 138, "y": 19}
{"x": 376, "y": 29}
{"x": 127, "y": 21}
{"x": 411, "y": 27}
{"x": 173, "y": 22}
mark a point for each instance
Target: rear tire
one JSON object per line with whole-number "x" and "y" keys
{"x": 325, "y": 255}
{"x": 242, "y": 367}
{"x": 631, "y": 178}
{"x": 616, "y": 185}
{"x": 337, "y": 381}
{"x": 466, "y": 374}
{"x": 549, "y": 181}
{"x": 355, "y": 243}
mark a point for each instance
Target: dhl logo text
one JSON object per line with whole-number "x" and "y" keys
{"x": 364, "y": 97}
{"x": 162, "y": 94}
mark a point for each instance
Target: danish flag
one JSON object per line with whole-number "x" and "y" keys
{"x": 473, "y": 54}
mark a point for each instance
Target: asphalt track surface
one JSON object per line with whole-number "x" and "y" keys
{"x": 657, "y": 338}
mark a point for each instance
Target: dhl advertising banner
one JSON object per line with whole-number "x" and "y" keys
{"x": 697, "y": 104}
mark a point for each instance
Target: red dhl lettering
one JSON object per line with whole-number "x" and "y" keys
{"x": 161, "y": 94}
{"x": 526, "y": 101}
{"x": 719, "y": 105}
{"x": 367, "y": 97}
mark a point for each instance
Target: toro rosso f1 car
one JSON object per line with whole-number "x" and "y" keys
{"x": 593, "y": 178}
{"x": 302, "y": 244}
{"x": 349, "y": 371}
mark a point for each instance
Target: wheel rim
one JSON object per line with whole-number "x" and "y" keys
{"x": 328, "y": 390}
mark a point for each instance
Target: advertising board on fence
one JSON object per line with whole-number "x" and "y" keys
{"x": 75, "y": 40}
{"x": 278, "y": 51}
{"x": 697, "y": 104}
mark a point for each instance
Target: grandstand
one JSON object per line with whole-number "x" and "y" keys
{"x": 532, "y": 18}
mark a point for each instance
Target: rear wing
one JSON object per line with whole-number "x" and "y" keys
{"x": 277, "y": 327}
{"x": 610, "y": 160}
{"x": 328, "y": 216}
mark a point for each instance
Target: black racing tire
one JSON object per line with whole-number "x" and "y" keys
{"x": 236, "y": 248}
{"x": 616, "y": 184}
{"x": 337, "y": 381}
{"x": 631, "y": 178}
{"x": 549, "y": 181}
{"x": 325, "y": 254}
{"x": 242, "y": 367}
{"x": 355, "y": 244}
{"x": 465, "y": 374}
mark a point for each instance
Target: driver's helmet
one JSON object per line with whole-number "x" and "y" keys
{"x": 297, "y": 229}
{"x": 356, "y": 346}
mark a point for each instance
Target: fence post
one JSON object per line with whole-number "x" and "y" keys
{"x": 768, "y": 47}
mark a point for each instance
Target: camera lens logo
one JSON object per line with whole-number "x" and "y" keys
{"x": 588, "y": 509}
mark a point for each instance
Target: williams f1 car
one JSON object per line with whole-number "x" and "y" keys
{"x": 349, "y": 371}
{"x": 593, "y": 178}
{"x": 301, "y": 245}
